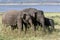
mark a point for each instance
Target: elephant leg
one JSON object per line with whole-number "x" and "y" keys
{"x": 22, "y": 26}
{"x": 25, "y": 27}
{"x": 19, "y": 23}
{"x": 29, "y": 25}
{"x": 34, "y": 27}
{"x": 48, "y": 28}
{"x": 12, "y": 27}
{"x": 43, "y": 25}
{"x": 38, "y": 24}
{"x": 52, "y": 24}
{"x": 15, "y": 26}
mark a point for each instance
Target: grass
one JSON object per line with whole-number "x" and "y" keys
{"x": 8, "y": 34}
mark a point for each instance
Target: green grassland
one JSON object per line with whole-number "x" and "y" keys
{"x": 7, "y": 34}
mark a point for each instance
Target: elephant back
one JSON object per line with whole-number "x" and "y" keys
{"x": 30, "y": 11}
{"x": 9, "y": 17}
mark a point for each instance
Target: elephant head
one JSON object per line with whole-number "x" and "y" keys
{"x": 23, "y": 19}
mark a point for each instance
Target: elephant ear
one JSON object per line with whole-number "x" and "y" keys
{"x": 40, "y": 12}
{"x": 23, "y": 14}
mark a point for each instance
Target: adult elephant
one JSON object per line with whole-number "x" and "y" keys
{"x": 36, "y": 15}
{"x": 15, "y": 19}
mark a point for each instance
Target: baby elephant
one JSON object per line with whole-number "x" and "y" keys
{"x": 49, "y": 24}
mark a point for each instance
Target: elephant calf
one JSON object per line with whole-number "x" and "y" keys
{"x": 48, "y": 22}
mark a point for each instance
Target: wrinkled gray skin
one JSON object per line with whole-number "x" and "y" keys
{"x": 23, "y": 19}
{"x": 14, "y": 19}
{"x": 9, "y": 18}
{"x": 49, "y": 24}
{"x": 39, "y": 16}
